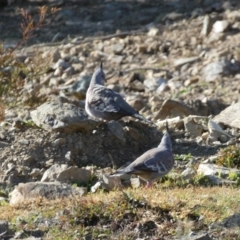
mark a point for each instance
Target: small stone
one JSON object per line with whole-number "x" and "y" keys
{"x": 116, "y": 59}
{"x": 118, "y": 48}
{"x": 220, "y": 26}
{"x": 188, "y": 173}
{"x": 61, "y": 64}
{"x": 153, "y": 32}
{"x": 182, "y": 61}
{"x": 217, "y": 133}
{"x": 23, "y": 141}
{"x": 194, "y": 128}
{"x": 35, "y": 172}
{"x": 207, "y": 26}
{"x": 58, "y": 142}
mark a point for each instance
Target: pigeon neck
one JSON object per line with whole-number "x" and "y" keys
{"x": 96, "y": 79}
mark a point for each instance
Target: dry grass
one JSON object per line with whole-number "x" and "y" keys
{"x": 157, "y": 212}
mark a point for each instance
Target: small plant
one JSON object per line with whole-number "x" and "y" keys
{"x": 234, "y": 177}
{"x": 183, "y": 157}
{"x": 229, "y": 157}
{"x": 13, "y": 73}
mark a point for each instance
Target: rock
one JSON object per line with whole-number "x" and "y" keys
{"x": 49, "y": 190}
{"x": 134, "y": 133}
{"x": 221, "y": 26}
{"x": 215, "y": 70}
{"x": 153, "y": 31}
{"x": 232, "y": 221}
{"x": 174, "y": 123}
{"x": 74, "y": 174}
{"x": 3, "y": 144}
{"x": 203, "y": 236}
{"x": 153, "y": 84}
{"x": 233, "y": 16}
{"x": 107, "y": 182}
{"x": 117, "y": 130}
{"x": 135, "y": 182}
{"x": 219, "y": 181}
{"x": 79, "y": 88}
{"x": 63, "y": 173}
{"x": 136, "y": 102}
{"x": 192, "y": 126}
{"x": 118, "y": 48}
{"x": 116, "y": 59}
{"x": 60, "y": 64}
{"x": 33, "y": 235}
{"x": 214, "y": 37}
{"x": 182, "y": 61}
{"x": 188, "y": 173}
{"x": 216, "y": 132}
{"x": 173, "y": 108}
{"x": 229, "y": 116}
{"x": 136, "y": 86}
{"x": 3, "y": 228}
{"x": 35, "y": 173}
{"x": 207, "y": 26}
{"x": 54, "y": 55}
{"x": 173, "y": 16}
{"x": 213, "y": 169}
{"x": 62, "y": 117}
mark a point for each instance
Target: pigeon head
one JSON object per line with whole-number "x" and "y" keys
{"x": 166, "y": 142}
{"x": 99, "y": 76}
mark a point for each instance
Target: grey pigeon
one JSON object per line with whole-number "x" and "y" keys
{"x": 153, "y": 164}
{"x": 104, "y": 103}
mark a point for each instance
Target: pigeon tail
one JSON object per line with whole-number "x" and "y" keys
{"x": 140, "y": 117}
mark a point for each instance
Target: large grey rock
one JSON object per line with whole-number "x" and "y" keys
{"x": 49, "y": 190}
{"x": 62, "y": 116}
{"x": 229, "y": 116}
{"x": 63, "y": 173}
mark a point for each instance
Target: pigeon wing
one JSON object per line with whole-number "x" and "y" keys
{"x": 106, "y": 100}
{"x": 152, "y": 161}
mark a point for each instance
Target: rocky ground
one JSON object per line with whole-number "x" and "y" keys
{"x": 170, "y": 59}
